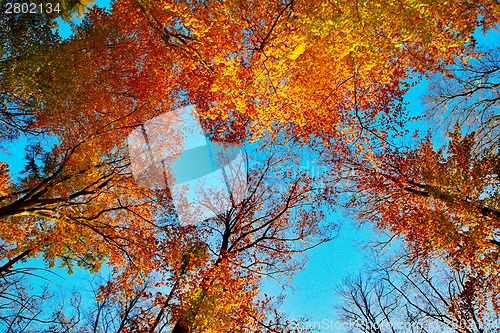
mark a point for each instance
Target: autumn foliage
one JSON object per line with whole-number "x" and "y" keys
{"x": 443, "y": 202}
{"x": 328, "y": 75}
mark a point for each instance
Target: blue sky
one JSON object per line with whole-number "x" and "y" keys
{"x": 313, "y": 291}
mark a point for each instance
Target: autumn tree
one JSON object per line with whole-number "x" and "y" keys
{"x": 302, "y": 63}
{"x": 25, "y": 43}
{"x": 327, "y": 71}
{"x": 120, "y": 85}
{"x": 244, "y": 76}
{"x": 400, "y": 296}
{"x": 442, "y": 202}
{"x": 23, "y": 38}
{"x": 112, "y": 315}
{"x": 66, "y": 187}
{"x": 206, "y": 277}
{"x": 467, "y": 95}
{"x": 57, "y": 180}
{"x": 28, "y": 308}
{"x": 214, "y": 286}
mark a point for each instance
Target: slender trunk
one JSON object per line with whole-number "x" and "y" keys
{"x": 183, "y": 324}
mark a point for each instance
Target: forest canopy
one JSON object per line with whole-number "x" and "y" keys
{"x": 270, "y": 83}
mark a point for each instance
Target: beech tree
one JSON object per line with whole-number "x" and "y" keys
{"x": 67, "y": 188}
{"x": 443, "y": 203}
{"x": 326, "y": 71}
{"x": 23, "y": 39}
{"x": 406, "y": 297}
{"x": 303, "y": 63}
{"x": 214, "y": 286}
{"x": 361, "y": 55}
{"x": 207, "y": 277}
{"x": 467, "y": 95}
{"x": 26, "y": 40}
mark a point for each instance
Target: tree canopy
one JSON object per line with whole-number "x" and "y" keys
{"x": 284, "y": 76}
